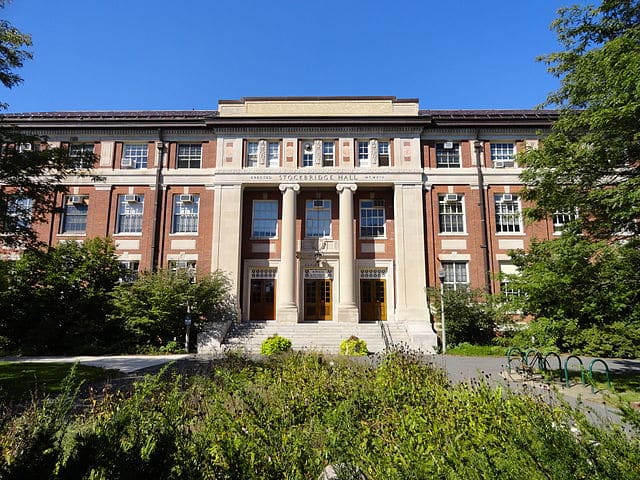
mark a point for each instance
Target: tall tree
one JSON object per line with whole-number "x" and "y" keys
{"x": 30, "y": 172}
{"x": 590, "y": 163}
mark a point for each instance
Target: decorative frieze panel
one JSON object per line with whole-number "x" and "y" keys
{"x": 318, "y": 273}
{"x": 373, "y": 273}
{"x": 259, "y": 273}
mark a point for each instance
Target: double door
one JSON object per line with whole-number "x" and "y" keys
{"x": 373, "y": 302}
{"x": 317, "y": 299}
{"x": 262, "y": 301}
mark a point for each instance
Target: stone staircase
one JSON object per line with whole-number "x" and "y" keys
{"x": 315, "y": 336}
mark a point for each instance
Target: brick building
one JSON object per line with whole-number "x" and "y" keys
{"x": 340, "y": 209}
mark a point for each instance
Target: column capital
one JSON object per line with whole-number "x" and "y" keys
{"x": 346, "y": 186}
{"x": 285, "y": 186}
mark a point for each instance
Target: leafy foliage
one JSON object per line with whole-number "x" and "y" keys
{"x": 584, "y": 295}
{"x": 292, "y": 415}
{"x": 353, "y": 346}
{"x": 153, "y": 308}
{"x": 14, "y": 51}
{"x": 275, "y": 344}
{"x": 590, "y": 160}
{"x": 58, "y": 301}
{"x": 470, "y": 315}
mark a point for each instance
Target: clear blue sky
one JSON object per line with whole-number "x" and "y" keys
{"x": 157, "y": 55}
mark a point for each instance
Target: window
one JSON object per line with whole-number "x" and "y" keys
{"x": 307, "y": 154}
{"x": 328, "y": 154}
{"x": 130, "y": 270}
{"x": 318, "y": 218}
{"x": 134, "y": 156}
{"x": 265, "y": 219}
{"x": 560, "y": 219}
{"x": 185, "y": 213}
{"x": 363, "y": 153}
{"x": 273, "y": 154}
{"x": 384, "y": 157}
{"x": 189, "y": 155}
{"x": 508, "y": 269}
{"x": 455, "y": 275}
{"x": 503, "y": 155}
{"x": 130, "y": 209}
{"x": 451, "y": 213}
{"x": 372, "y": 218}
{"x": 74, "y": 214}
{"x": 507, "y": 213}
{"x": 19, "y": 213}
{"x": 82, "y": 153}
{"x": 186, "y": 266}
{"x": 448, "y": 155}
{"x": 252, "y": 154}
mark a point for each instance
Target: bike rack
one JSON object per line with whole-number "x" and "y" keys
{"x": 512, "y": 349}
{"x": 546, "y": 362}
{"x": 566, "y": 369}
{"x": 591, "y": 373}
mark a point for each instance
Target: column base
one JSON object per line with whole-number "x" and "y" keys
{"x": 348, "y": 314}
{"x": 287, "y": 314}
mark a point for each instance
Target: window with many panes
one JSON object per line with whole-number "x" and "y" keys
{"x": 363, "y": 153}
{"x": 372, "y": 218}
{"x": 252, "y": 154}
{"x": 19, "y": 213}
{"x": 130, "y": 270}
{"x": 507, "y": 271}
{"x": 184, "y": 266}
{"x": 451, "y": 213}
{"x": 130, "y": 211}
{"x": 384, "y": 154}
{"x": 273, "y": 154}
{"x": 560, "y": 219}
{"x": 185, "y": 213}
{"x": 189, "y": 155}
{"x": 448, "y": 155}
{"x": 307, "y": 154}
{"x": 134, "y": 156}
{"x": 264, "y": 223}
{"x": 503, "y": 154}
{"x": 508, "y": 218}
{"x": 318, "y": 218}
{"x": 328, "y": 154}
{"x": 74, "y": 214}
{"x": 82, "y": 154}
{"x": 456, "y": 275}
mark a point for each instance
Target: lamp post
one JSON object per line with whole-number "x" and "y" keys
{"x": 187, "y": 324}
{"x": 441, "y": 275}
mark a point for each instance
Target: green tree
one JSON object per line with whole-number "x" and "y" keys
{"x": 153, "y": 307}
{"x": 590, "y": 161}
{"x": 583, "y": 294}
{"x": 58, "y": 301}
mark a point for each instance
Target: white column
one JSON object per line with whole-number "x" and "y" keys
{"x": 287, "y": 309}
{"x": 347, "y": 308}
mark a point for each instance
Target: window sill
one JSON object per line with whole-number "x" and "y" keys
{"x": 453, "y": 234}
{"x": 510, "y": 234}
{"x": 128, "y": 234}
{"x": 73, "y": 234}
{"x": 263, "y": 239}
{"x": 183, "y": 234}
{"x": 371, "y": 239}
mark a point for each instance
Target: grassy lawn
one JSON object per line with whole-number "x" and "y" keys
{"x": 469, "y": 350}
{"x": 19, "y": 379}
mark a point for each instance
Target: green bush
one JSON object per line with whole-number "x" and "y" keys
{"x": 172, "y": 346}
{"x": 275, "y": 344}
{"x": 353, "y": 346}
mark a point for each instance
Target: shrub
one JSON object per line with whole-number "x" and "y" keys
{"x": 172, "y": 346}
{"x": 275, "y": 344}
{"x": 353, "y": 346}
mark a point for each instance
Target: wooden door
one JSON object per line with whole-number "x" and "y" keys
{"x": 317, "y": 299}
{"x": 373, "y": 300}
{"x": 262, "y": 304}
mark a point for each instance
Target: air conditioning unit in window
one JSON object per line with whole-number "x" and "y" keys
{"x": 507, "y": 197}
{"x": 126, "y": 163}
{"x": 131, "y": 198}
{"x": 498, "y": 164}
{"x": 25, "y": 147}
{"x": 448, "y": 145}
{"x": 451, "y": 198}
{"x": 186, "y": 198}
{"x": 75, "y": 200}
{"x": 318, "y": 203}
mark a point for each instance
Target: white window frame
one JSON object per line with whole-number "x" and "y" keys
{"x": 191, "y": 158}
{"x": 186, "y": 215}
{"x": 273, "y": 154}
{"x": 79, "y": 151}
{"x": 377, "y": 206}
{"x": 307, "y": 154}
{"x": 19, "y": 213}
{"x": 251, "y": 159}
{"x": 273, "y": 217}
{"x": 508, "y": 215}
{"x": 560, "y": 219}
{"x": 74, "y": 211}
{"x": 328, "y": 153}
{"x": 138, "y": 153}
{"x": 451, "y": 215}
{"x": 130, "y": 216}
{"x": 456, "y": 274}
{"x": 384, "y": 153}
{"x": 364, "y": 153}
{"x": 448, "y": 157}
{"x": 313, "y": 224}
{"x": 504, "y": 152}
